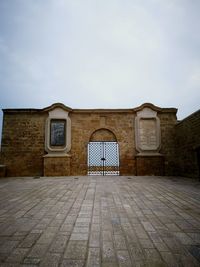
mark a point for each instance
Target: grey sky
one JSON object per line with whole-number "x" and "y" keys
{"x": 103, "y": 53}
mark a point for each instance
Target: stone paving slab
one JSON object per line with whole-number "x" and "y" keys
{"x": 100, "y": 221}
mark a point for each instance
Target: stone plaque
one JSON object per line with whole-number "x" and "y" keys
{"x": 147, "y": 134}
{"x": 58, "y": 132}
{"x": 147, "y": 131}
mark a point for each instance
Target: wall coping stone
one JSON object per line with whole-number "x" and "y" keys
{"x": 95, "y": 110}
{"x": 188, "y": 117}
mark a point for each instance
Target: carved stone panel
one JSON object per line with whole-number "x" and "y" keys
{"x": 147, "y": 126}
{"x": 147, "y": 133}
{"x": 57, "y": 134}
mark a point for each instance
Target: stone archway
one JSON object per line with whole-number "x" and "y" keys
{"x": 103, "y": 134}
{"x": 103, "y": 153}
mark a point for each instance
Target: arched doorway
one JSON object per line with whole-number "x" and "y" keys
{"x": 103, "y": 153}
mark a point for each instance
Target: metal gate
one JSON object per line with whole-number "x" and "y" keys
{"x": 103, "y": 158}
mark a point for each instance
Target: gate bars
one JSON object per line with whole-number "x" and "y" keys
{"x": 103, "y": 158}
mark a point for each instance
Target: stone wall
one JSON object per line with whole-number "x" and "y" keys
{"x": 23, "y": 143}
{"x": 167, "y": 125}
{"x": 84, "y": 124}
{"x": 24, "y": 152}
{"x": 151, "y": 165}
{"x": 158, "y": 157}
{"x": 56, "y": 166}
{"x": 188, "y": 146}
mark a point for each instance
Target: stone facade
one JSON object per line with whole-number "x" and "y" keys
{"x": 23, "y": 139}
{"x": 146, "y": 136}
{"x": 187, "y": 157}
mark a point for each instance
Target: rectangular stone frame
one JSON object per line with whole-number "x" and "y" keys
{"x": 142, "y": 139}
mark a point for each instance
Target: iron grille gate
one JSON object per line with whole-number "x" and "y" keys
{"x": 103, "y": 158}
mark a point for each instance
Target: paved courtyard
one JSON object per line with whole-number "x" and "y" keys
{"x": 99, "y": 221}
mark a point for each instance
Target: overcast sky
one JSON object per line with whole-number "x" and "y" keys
{"x": 100, "y": 53}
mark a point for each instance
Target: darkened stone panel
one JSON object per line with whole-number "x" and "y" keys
{"x": 151, "y": 165}
{"x": 57, "y": 132}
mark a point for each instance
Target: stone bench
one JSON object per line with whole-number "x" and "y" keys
{"x": 2, "y": 170}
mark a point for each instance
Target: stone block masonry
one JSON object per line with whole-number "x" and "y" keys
{"x": 2, "y": 170}
{"x": 187, "y": 147}
{"x": 56, "y": 166}
{"x": 23, "y": 143}
{"x": 150, "y": 141}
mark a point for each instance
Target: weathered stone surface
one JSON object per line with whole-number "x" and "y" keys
{"x": 2, "y": 170}
{"x": 151, "y": 165}
{"x": 142, "y": 221}
{"x": 187, "y": 162}
{"x": 23, "y": 144}
{"x": 23, "y": 141}
{"x": 56, "y": 166}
